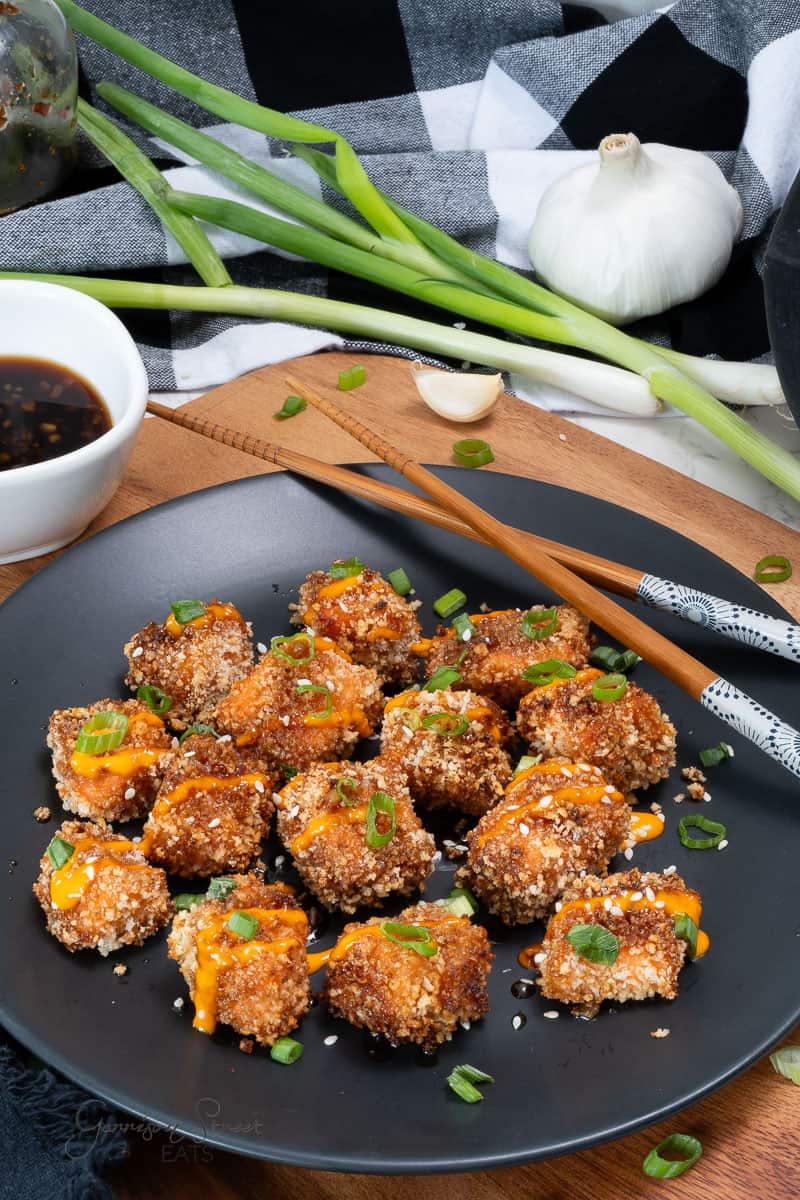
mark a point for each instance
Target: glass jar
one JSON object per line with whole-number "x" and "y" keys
{"x": 38, "y": 95}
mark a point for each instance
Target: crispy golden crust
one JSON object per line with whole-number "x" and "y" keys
{"x": 195, "y": 669}
{"x": 630, "y": 739}
{"x": 267, "y": 713}
{"x": 518, "y": 868}
{"x": 650, "y": 955}
{"x": 106, "y": 796}
{"x": 266, "y": 996}
{"x": 337, "y": 865}
{"x": 390, "y": 990}
{"x": 369, "y": 620}
{"x": 123, "y": 904}
{"x": 210, "y": 830}
{"x": 467, "y": 772}
{"x": 500, "y": 651}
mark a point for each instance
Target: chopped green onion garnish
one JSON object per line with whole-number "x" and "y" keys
{"x": 696, "y": 821}
{"x": 101, "y": 733}
{"x": 786, "y": 1062}
{"x": 462, "y": 656}
{"x": 322, "y": 691}
{"x": 614, "y": 661}
{"x": 244, "y": 924}
{"x": 410, "y": 718}
{"x": 60, "y": 851}
{"x": 472, "y": 452}
{"x": 686, "y": 930}
{"x": 286, "y": 1050}
{"x": 715, "y": 755}
{"x": 609, "y": 687}
{"x": 379, "y": 802}
{"x": 462, "y": 1081}
{"x": 292, "y": 405}
{"x": 413, "y": 937}
{"x": 288, "y": 772}
{"x": 775, "y": 568}
{"x": 185, "y": 901}
{"x": 446, "y": 724}
{"x": 594, "y": 943}
{"x": 683, "y": 1144}
{"x": 344, "y": 786}
{"x": 449, "y": 603}
{"x": 199, "y": 730}
{"x": 441, "y": 679}
{"x": 527, "y": 760}
{"x": 296, "y": 639}
{"x": 545, "y": 672}
{"x": 351, "y": 378}
{"x": 399, "y": 581}
{"x": 463, "y": 628}
{"x": 539, "y": 623}
{"x": 221, "y": 887}
{"x": 344, "y": 568}
{"x": 185, "y": 611}
{"x": 460, "y": 902}
{"x": 157, "y": 701}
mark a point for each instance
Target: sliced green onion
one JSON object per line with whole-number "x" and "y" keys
{"x": 292, "y": 405}
{"x": 446, "y": 724}
{"x": 539, "y": 623}
{"x": 545, "y": 672}
{"x": 786, "y": 1062}
{"x": 185, "y": 900}
{"x": 101, "y": 733}
{"x": 594, "y": 943}
{"x": 527, "y": 760}
{"x": 462, "y": 1081}
{"x": 462, "y": 656}
{"x": 614, "y": 661}
{"x": 298, "y": 661}
{"x": 441, "y": 679}
{"x": 350, "y": 784}
{"x": 460, "y": 902}
{"x": 696, "y": 821}
{"x": 60, "y": 851}
{"x": 609, "y": 687}
{"x": 658, "y": 1167}
{"x": 352, "y": 377}
{"x": 198, "y": 730}
{"x": 221, "y": 887}
{"x": 345, "y": 568}
{"x": 687, "y": 931}
{"x": 399, "y": 581}
{"x": 185, "y": 611}
{"x": 774, "y": 568}
{"x": 413, "y": 937}
{"x": 464, "y": 628}
{"x": 379, "y": 802}
{"x": 449, "y": 603}
{"x": 319, "y": 689}
{"x": 156, "y": 700}
{"x": 286, "y": 1050}
{"x": 715, "y": 755}
{"x": 288, "y": 772}
{"x": 244, "y": 924}
{"x": 472, "y": 452}
{"x": 410, "y": 718}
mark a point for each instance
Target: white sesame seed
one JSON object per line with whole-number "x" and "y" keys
{"x": 660, "y": 816}
{"x": 636, "y": 896}
{"x": 607, "y": 904}
{"x": 545, "y": 801}
{"x": 540, "y": 957}
{"x": 551, "y": 1014}
{"x": 659, "y": 1033}
{"x": 304, "y": 683}
{"x": 213, "y": 824}
{"x": 284, "y": 720}
{"x": 706, "y": 797}
{"x": 566, "y": 771}
{"x": 258, "y": 785}
{"x": 465, "y": 1024}
{"x": 190, "y": 754}
{"x": 261, "y": 648}
{"x": 616, "y": 911}
{"x": 506, "y": 971}
{"x": 175, "y": 743}
{"x": 559, "y": 906}
{"x": 277, "y": 798}
{"x": 640, "y": 833}
{"x": 722, "y": 844}
{"x": 331, "y": 1040}
{"x": 226, "y": 737}
{"x": 523, "y": 828}
{"x": 280, "y": 859}
{"x": 516, "y": 1021}
{"x": 437, "y": 856}
{"x": 178, "y": 1003}
{"x": 648, "y": 891}
{"x": 294, "y": 811}
{"x": 130, "y": 793}
{"x": 669, "y": 870}
{"x": 562, "y": 437}
{"x": 659, "y": 903}
{"x": 605, "y": 799}
{"x": 628, "y": 853}
{"x": 139, "y": 650}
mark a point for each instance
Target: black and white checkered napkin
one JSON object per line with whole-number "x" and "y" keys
{"x": 464, "y": 110}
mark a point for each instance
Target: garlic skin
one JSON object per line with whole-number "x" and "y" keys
{"x": 457, "y": 396}
{"x": 644, "y": 228}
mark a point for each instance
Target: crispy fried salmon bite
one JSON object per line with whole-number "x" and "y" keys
{"x": 98, "y": 891}
{"x": 557, "y": 819}
{"x": 413, "y": 979}
{"x": 108, "y": 758}
{"x": 621, "y": 938}
{"x": 242, "y": 952}
{"x": 500, "y": 645}
{"x": 211, "y": 812}
{"x": 195, "y": 657}
{"x": 451, "y": 746}
{"x": 629, "y": 738}
{"x": 305, "y": 701}
{"x": 353, "y": 833}
{"x": 362, "y": 613}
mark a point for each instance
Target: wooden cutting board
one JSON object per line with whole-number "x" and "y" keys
{"x": 748, "y": 1129}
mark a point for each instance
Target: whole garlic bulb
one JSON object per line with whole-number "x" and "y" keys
{"x": 642, "y": 229}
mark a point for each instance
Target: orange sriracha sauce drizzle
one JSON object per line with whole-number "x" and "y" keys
{"x": 594, "y": 793}
{"x": 211, "y": 613}
{"x": 321, "y": 958}
{"x": 123, "y": 762}
{"x": 406, "y": 700}
{"x": 68, "y": 883}
{"x": 201, "y": 783}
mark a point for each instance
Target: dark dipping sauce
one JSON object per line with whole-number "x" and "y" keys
{"x": 46, "y": 410}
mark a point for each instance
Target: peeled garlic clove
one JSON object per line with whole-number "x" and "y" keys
{"x": 457, "y": 396}
{"x": 638, "y": 231}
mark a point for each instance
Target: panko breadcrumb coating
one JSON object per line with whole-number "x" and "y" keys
{"x": 119, "y": 785}
{"x": 303, "y": 702}
{"x": 258, "y": 985}
{"x": 106, "y": 895}
{"x": 365, "y": 616}
{"x": 196, "y": 664}
{"x": 639, "y": 909}
{"x": 500, "y": 650}
{"x": 463, "y": 768}
{"x": 557, "y": 819}
{"x": 325, "y": 830}
{"x": 630, "y": 739}
{"x": 389, "y": 989}
{"x": 211, "y": 812}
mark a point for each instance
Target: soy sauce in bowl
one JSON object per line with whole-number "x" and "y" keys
{"x": 46, "y": 410}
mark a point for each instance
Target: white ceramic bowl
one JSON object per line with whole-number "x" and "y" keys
{"x": 46, "y": 505}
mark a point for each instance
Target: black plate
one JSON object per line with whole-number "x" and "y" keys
{"x": 560, "y": 1084}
